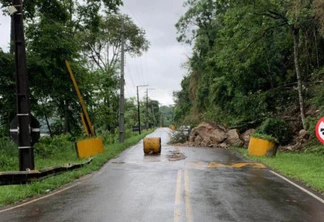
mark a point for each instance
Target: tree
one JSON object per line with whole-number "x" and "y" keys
{"x": 318, "y": 9}
{"x": 102, "y": 47}
{"x": 247, "y": 54}
{"x": 7, "y": 92}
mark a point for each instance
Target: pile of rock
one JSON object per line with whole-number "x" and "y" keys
{"x": 212, "y": 135}
{"x": 298, "y": 143}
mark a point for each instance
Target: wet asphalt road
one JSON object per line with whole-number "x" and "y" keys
{"x": 181, "y": 184}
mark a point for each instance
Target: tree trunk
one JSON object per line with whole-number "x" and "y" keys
{"x": 295, "y": 34}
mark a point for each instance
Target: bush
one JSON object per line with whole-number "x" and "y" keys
{"x": 178, "y": 137}
{"x": 47, "y": 146}
{"x": 276, "y": 128}
{"x": 265, "y": 137}
{"x": 108, "y": 137}
{"x": 8, "y": 154}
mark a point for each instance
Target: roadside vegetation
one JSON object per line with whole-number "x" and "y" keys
{"x": 305, "y": 167}
{"x": 60, "y": 151}
{"x": 251, "y": 61}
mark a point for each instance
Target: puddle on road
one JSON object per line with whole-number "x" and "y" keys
{"x": 175, "y": 155}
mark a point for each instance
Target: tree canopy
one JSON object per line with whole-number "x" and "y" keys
{"x": 86, "y": 33}
{"x": 251, "y": 60}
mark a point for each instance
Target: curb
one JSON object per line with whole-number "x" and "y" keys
{"x": 23, "y": 177}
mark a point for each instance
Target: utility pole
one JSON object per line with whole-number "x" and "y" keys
{"x": 154, "y": 118}
{"x": 147, "y": 121}
{"x": 122, "y": 84}
{"x": 26, "y": 151}
{"x": 138, "y": 109}
{"x": 147, "y": 104}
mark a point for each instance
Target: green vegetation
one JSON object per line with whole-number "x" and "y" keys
{"x": 252, "y": 60}
{"x": 305, "y": 167}
{"x": 15, "y": 193}
{"x": 85, "y": 33}
{"x": 166, "y": 115}
{"x": 265, "y": 137}
{"x": 277, "y": 129}
{"x": 178, "y": 137}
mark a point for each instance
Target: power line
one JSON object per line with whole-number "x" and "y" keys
{"x": 130, "y": 75}
{"x": 135, "y": 17}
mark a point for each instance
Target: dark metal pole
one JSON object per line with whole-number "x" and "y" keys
{"x": 138, "y": 113}
{"x": 26, "y": 151}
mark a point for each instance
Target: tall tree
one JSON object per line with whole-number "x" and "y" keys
{"x": 244, "y": 55}
{"x": 102, "y": 47}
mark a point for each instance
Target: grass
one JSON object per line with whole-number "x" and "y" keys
{"x": 305, "y": 167}
{"x": 16, "y": 193}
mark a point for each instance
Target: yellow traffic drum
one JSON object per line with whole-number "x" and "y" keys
{"x": 172, "y": 127}
{"x": 152, "y": 145}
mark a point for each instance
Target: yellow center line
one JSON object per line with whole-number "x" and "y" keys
{"x": 187, "y": 196}
{"x": 177, "y": 215}
{"x": 178, "y": 197}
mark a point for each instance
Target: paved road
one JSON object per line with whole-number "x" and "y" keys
{"x": 181, "y": 184}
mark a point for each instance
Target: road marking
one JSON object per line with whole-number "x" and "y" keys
{"x": 195, "y": 165}
{"x": 237, "y": 165}
{"x": 177, "y": 215}
{"x": 187, "y": 197}
{"x": 301, "y": 188}
{"x": 177, "y": 201}
{"x": 41, "y": 198}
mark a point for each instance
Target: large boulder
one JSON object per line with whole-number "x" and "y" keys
{"x": 233, "y": 138}
{"x": 246, "y": 137}
{"x": 207, "y": 135}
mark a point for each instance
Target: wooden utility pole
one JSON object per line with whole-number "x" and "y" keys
{"x": 122, "y": 93}
{"x": 26, "y": 151}
{"x": 138, "y": 109}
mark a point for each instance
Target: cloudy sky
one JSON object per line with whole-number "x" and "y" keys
{"x": 160, "y": 67}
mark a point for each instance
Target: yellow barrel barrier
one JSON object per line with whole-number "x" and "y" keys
{"x": 172, "y": 127}
{"x": 152, "y": 144}
{"x": 261, "y": 147}
{"x": 89, "y": 147}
